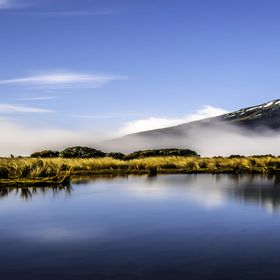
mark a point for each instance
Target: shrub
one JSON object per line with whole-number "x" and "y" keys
{"x": 160, "y": 153}
{"x": 81, "y": 152}
{"x": 236, "y": 156}
{"x": 45, "y": 154}
{"x": 115, "y": 155}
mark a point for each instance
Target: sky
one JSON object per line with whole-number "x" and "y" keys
{"x": 77, "y": 71}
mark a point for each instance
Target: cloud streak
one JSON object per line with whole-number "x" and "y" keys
{"x": 80, "y": 13}
{"x": 11, "y": 108}
{"x": 6, "y": 4}
{"x": 62, "y": 80}
{"x": 38, "y": 98}
{"x": 91, "y": 116}
{"x": 12, "y": 4}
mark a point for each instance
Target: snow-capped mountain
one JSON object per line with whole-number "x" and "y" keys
{"x": 267, "y": 114}
{"x": 243, "y": 128}
{"x": 261, "y": 117}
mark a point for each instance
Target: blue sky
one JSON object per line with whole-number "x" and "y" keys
{"x": 111, "y": 67}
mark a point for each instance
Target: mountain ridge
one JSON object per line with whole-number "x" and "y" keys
{"x": 242, "y": 116}
{"x": 241, "y": 127}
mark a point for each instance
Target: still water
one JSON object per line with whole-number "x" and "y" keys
{"x": 166, "y": 227}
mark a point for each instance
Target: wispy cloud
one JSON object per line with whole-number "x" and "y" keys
{"x": 6, "y": 4}
{"x": 37, "y": 98}
{"x": 14, "y": 4}
{"x": 155, "y": 123}
{"x": 11, "y": 4}
{"x": 79, "y": 13}
{"x": 62, "y": 80}
{"x": 11, "y": 108}
{"x": 91, "y": 116}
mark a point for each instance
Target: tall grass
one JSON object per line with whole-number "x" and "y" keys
{"x": 29, "y": 168}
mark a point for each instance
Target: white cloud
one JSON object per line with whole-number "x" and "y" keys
{"x": 63, "y": 80}
{"x": 11, "y": 108}
{"x": 155, "y": 123}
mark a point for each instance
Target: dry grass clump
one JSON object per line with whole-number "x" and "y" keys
{"x": 28, "y": 168}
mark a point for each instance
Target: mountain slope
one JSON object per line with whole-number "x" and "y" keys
{"x": 228, "y": 129}
{"x": 266, "y": 115}
{"x": 262, "y": 117}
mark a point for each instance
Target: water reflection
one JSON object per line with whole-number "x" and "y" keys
{"x": 132, "y": 227}
{"x": 264, "y": 192}
{"x": 82, "y": 180}
{"x": 211, "y": 190}
{"x": 26, "y": 193}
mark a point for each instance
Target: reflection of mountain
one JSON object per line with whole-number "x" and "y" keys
{"x": 26, "y": 193}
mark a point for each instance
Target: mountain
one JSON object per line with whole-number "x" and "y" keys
{"x": 262, "y": 117}
{"x": 251, "y": 122}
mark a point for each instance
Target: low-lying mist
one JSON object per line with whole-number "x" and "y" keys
{"x": 217, "y": 139}
{"x": 23, "y": 140}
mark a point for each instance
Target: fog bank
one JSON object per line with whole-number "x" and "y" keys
{"x": 217, "y": 139}
{"x": 214, "y": 140}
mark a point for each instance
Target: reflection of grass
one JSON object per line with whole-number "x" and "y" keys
{"x": 49, "y": 171}
{"x": 26, "y": 193}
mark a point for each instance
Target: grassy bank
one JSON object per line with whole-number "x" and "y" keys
{"x": 57, "y": 170}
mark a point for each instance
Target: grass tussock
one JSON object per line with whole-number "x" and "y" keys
{"x": 36, "y": 169}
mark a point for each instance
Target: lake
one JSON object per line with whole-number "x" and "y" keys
{"x": 165, "y": 227}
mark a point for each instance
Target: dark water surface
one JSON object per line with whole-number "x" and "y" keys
{"x": 166, "y": 227}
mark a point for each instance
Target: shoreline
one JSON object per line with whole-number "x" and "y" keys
{"x": 57, "y": 171}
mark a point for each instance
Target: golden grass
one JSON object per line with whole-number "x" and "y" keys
{"x": 29, "y": 168}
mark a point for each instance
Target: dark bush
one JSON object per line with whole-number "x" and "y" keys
{"x": 45, "y": 154}
{"x": 261, "y": 156}
{"x": 236, "y": 156}
{"x": 81, "y": 152}
{"x": 115, "y": 155}
{"x": 161, "y": 152}
{"x": 153, "y": 171}
{"x": 4, "y": 172}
